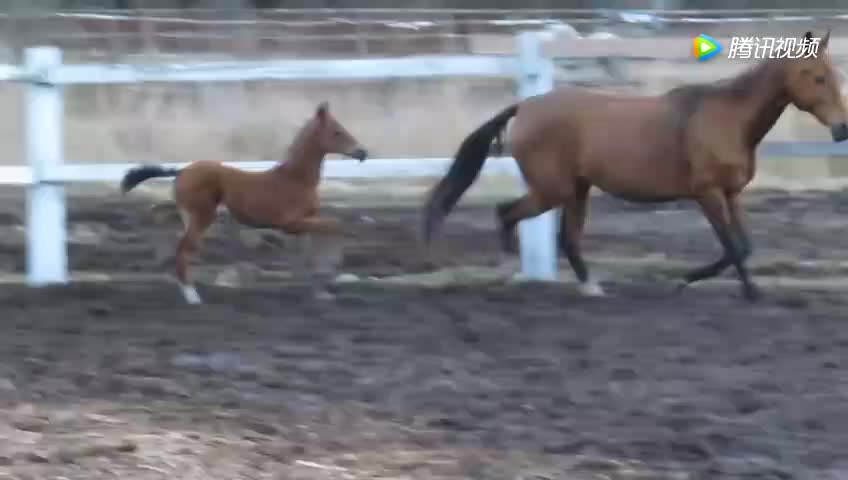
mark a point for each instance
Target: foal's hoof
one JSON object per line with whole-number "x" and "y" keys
{"x": 190, "y": 294}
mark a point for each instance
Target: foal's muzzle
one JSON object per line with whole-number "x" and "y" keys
{"x": 360, "y": 154}
{"x": 839, "y": 132}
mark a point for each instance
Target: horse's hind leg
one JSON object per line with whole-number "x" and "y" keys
{"x": 511, "y": 212}
{"x": 196, "y": 223}
{"x": 724, "y": 216}
{"x": 506, "y": 230}
{"x": 572, "y": 221}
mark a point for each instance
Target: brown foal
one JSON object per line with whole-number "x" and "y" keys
{"x": 284, "y": 197}
{"x": 694, "y": 142}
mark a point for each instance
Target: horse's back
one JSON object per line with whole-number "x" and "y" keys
{"x": 627, "y": 144}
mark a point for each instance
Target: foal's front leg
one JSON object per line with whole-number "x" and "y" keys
{"x": 304, "y": 230}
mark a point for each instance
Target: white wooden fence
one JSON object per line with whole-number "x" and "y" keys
{"x": 47, "y": 173}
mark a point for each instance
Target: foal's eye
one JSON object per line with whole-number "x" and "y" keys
{"x": 820, "y": 80}
{"x": 338, "y": 133}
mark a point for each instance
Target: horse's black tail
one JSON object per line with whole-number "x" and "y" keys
{"x": 463, "y": 172}
{"x": 136, "y": 175}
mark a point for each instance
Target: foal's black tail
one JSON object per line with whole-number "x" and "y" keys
{"x": 136, "y": 175}
{"x": 463, "y": 172}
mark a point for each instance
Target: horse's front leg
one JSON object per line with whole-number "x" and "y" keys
{"x": 739, "y": 234}
{"x": 723, "y": 213}
{"x": 305, "y": 231}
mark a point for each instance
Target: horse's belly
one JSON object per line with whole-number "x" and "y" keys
{"x": 639, "y": 177}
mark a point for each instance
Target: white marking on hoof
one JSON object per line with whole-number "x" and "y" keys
{"x": 190, "y": 294}
{"x": 346, "y": 278}
{"x": 591, "y": 288}
{"x": 518, "y": 277}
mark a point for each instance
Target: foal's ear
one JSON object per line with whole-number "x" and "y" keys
{"x": 824, "y": 40}
{"x": 323, "y": 110}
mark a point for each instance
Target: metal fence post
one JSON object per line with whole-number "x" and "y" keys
{"x": 47, "y": 261}
{"x": 537, "y": 235}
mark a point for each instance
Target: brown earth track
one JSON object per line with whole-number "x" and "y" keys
{"x": 122, "y": 380}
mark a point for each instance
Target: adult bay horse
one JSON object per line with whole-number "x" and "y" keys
{"x": 284, "y": 197}
{"x": 694, "y": 142}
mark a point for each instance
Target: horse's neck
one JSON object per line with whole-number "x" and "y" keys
{"x": 304, "y": 160}
{"x": 766, "y": 100}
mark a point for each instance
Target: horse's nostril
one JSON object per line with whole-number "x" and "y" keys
{"x": 839, "y": 132}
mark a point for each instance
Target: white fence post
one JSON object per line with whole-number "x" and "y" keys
{"x": 47, "y": 260}
{"x": 537, "y": 235}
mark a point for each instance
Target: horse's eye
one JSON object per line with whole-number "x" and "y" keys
{"x": 338, "y": 133}
{"x": 820, "y": 80}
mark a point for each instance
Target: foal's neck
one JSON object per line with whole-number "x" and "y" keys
{"x": 304, "y": 158}
{"x": 761, "y": 93}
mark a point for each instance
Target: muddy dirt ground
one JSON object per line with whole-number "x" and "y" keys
{"x": 502, "y": 381}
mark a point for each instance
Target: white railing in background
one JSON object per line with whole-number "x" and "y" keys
{"x": 46, "y": 174}
{"x": 296, "y": 25}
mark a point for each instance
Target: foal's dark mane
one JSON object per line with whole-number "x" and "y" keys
{"x": 299, "y": 139}
{"x": 301, "y": 156}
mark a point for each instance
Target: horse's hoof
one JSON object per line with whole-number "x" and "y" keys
{"x": 509, "y": 248}
{"x": 591, "y": 289}
{"x": 752, "y": 294}
{"x": 324, "y": 296}
{"x": 509, "y": 245}
{"x": 679, "y": 287}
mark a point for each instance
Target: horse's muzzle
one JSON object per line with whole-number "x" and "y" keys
{"x": 360, "y": 154}
{"x": 839, "y": 132}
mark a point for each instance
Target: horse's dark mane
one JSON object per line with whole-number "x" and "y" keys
{"x": 740, "y": 85}
{"x": 687, "y": 99}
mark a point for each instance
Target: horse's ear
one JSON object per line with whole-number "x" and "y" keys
{"x": 808, "y": 36}
{"x": 323, "y": 110}
{"x": 824, "y": 40}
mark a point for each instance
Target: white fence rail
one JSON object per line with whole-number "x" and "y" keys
{"x": 333, "y": 168}
{"x": 46, "y": 172}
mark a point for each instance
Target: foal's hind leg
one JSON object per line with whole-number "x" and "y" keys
{"x": 196, "y": 223}
{"x": 572, "y": 221}
{"x": 724, "y": 216}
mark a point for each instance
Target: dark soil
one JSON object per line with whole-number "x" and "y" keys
{"x": 123, "y": 380}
